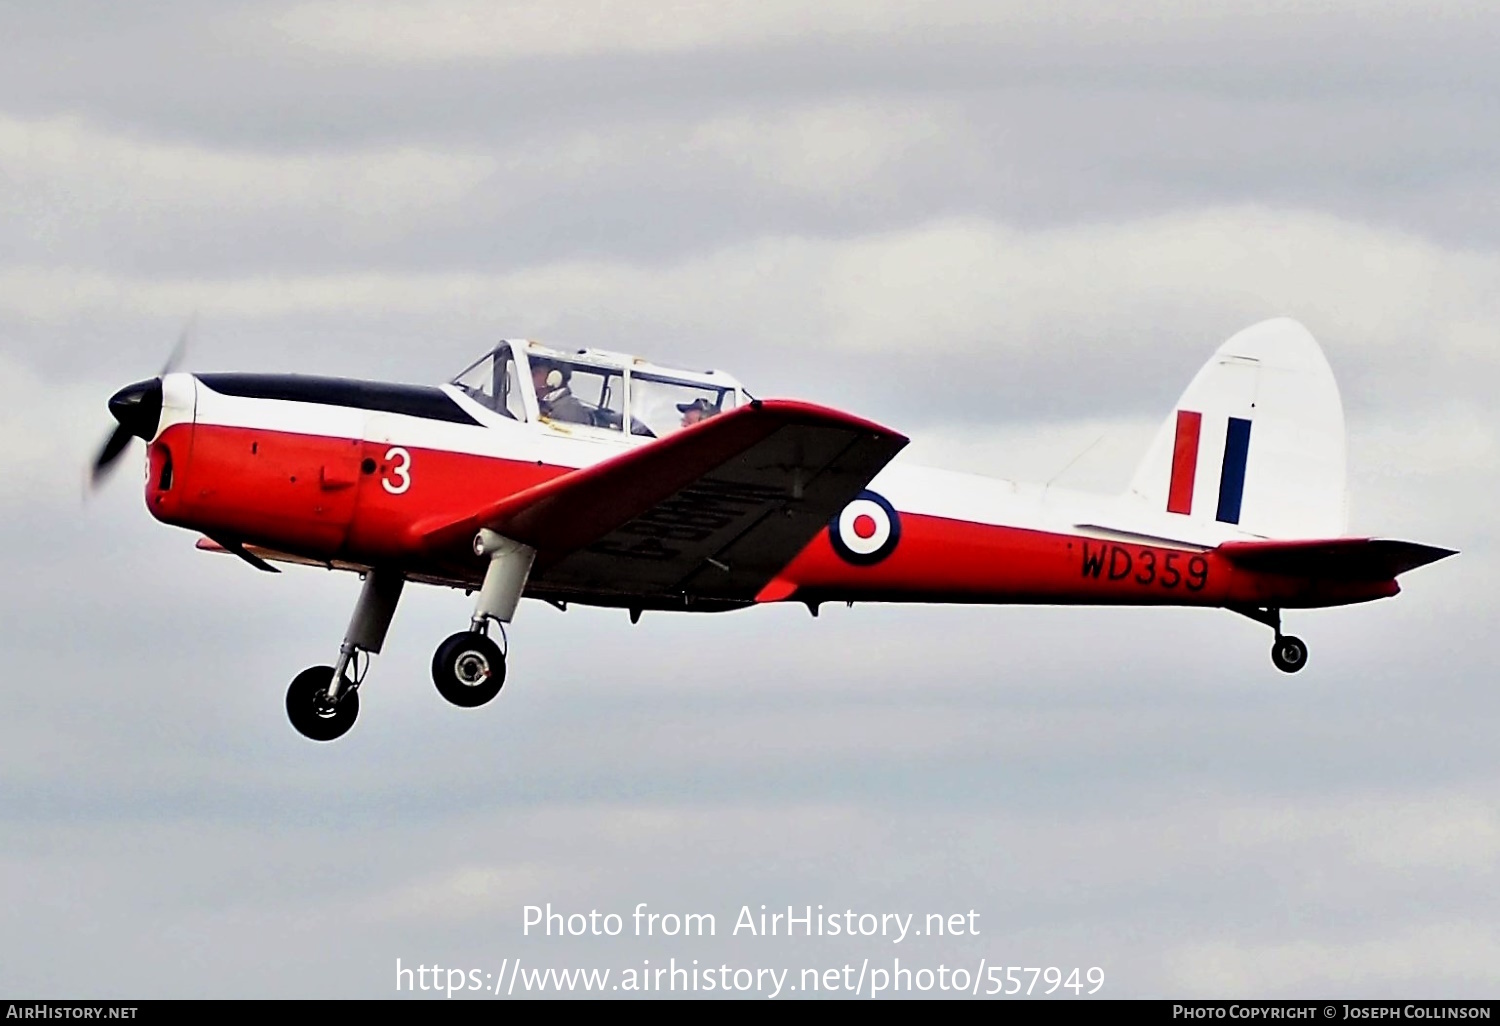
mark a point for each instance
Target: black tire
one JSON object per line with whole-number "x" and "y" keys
{"x": 468, "y": 669}
{"x": 1289, "y": 654}
{"x": 311, "y": 715}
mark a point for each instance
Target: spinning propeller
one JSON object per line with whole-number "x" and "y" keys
{"x": 137, "y": 410}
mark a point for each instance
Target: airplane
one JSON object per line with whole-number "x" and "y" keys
{"x": 599, "y": 478}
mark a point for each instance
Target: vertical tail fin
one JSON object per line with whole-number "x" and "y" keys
{"x": 1256, "y": 441}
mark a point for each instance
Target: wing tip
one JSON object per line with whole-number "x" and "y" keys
{"x": 801, "y": 410}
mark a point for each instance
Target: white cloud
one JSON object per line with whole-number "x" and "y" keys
{"x": 62, "y": 172}
{"x": 1423, "y": 472}
{"x": 468, "y": 892}
{"x": 51, "y": 431}
{"x": 820, "y": 148}
{"x": 1443, "y": 832}
{"x": 75, "y": 188}
{"x": 988, "y": 285}
{"x": 415, "y": 30}
{"x": 1425, "y": 959}
{"x": 424, "y": 30}
{"x": 1457, "y": 440}
{"x": 844, "y": 145}
{"x": 967, "y": 287}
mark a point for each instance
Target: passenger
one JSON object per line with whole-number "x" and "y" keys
{"x": 554, "y": 399}
{"x": 695, "y": 411}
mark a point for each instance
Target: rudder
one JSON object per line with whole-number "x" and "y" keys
{"x": 1255, "y": 442}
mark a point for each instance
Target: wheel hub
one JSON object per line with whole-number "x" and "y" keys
{"x": 472, "y": 669}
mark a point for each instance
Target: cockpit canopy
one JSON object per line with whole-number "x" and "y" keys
{"x": 594, "y": 390}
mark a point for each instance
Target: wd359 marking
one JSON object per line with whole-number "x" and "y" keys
{"x": 1163, "y": 568}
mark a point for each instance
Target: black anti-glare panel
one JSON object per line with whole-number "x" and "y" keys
{"x": 410, "y": 400}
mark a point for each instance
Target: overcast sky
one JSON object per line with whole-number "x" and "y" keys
{"x": 1008, "y": 229}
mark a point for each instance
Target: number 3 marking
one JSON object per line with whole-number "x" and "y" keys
{"x": 402, "y": 472}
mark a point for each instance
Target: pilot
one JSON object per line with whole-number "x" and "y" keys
{"x": 693, "y": 412}
{"x": 554, "y": 399}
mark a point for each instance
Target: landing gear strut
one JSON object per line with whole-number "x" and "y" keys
{"x": 323, "y": 701}
{"x": 469, "y": 668}
{"x": 1288, "y": 654}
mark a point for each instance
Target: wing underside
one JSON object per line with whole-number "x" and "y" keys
{"x": 713, "y": 512}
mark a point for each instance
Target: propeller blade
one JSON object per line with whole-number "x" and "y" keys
{"x": 181, "y": 348}
{"x": 138, "y": 409}
{"x": 110, "y": 454}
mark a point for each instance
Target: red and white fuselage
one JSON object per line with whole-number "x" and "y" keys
{"x": 348, "y": 474}
{"x": 602, "y": 479}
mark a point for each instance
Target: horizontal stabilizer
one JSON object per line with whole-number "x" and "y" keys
{"x": 1336, "y": 559}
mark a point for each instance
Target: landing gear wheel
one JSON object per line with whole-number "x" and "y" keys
{"x": 468, "y": 669}
{"x": 308, "y": 708}
{"x": 1289, "y": 654}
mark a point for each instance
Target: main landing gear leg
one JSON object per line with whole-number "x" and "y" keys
{"x": 469, "y": 668}
{"x": 1288, "y": 654}
{"x": 323, "y": 701}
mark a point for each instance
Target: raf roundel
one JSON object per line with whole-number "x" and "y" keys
{"x": 866, "y": 531}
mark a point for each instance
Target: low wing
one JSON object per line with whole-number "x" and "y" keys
{"x": 713, "y": 511}
{"x": 1337, "y": 559}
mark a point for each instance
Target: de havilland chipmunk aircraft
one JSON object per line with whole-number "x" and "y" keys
{"x": 592, "y": 477}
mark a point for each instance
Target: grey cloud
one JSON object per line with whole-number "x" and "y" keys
{"x": 644, "y": 184}
{"x": 1040, "y": 143}
{"x": 957, "y": 320}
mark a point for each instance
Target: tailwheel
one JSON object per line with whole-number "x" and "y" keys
{"x": 468, "y": 669}
{"x": 1289, "y": 653}
{"x": 310, "y": 711}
